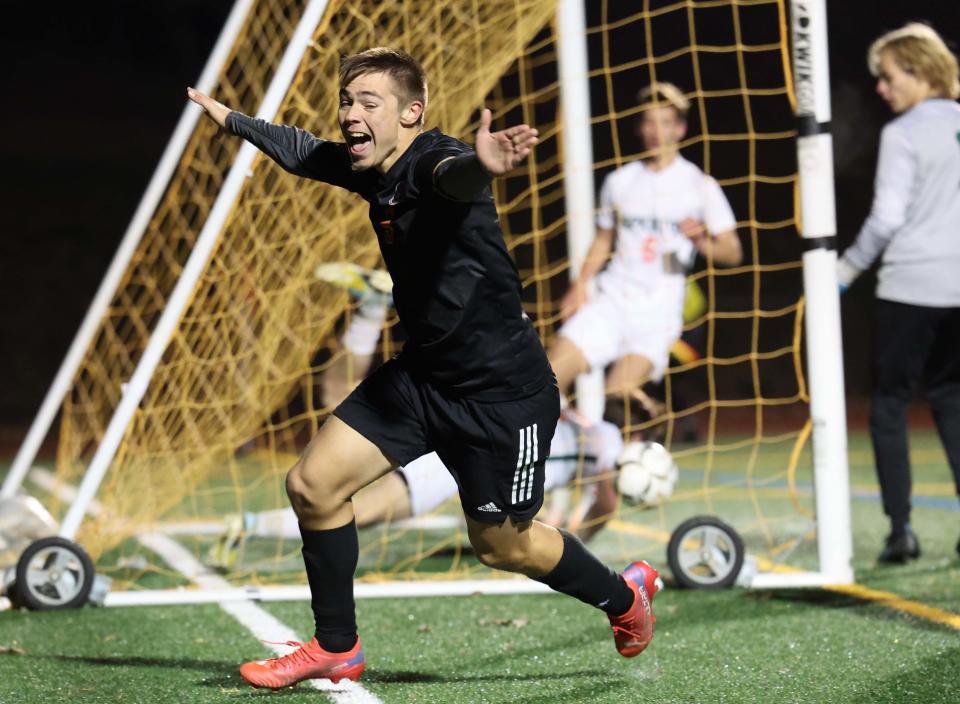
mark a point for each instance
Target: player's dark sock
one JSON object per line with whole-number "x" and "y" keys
{"x": 581, "y": 575}
{"x": 331, "y": 559}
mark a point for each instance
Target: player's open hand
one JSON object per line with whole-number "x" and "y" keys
{"x": 499, "y": 152}
{"x": 216, "y": 111}
{"x": 696, "y": 232}
{"x": 693, "y": 229}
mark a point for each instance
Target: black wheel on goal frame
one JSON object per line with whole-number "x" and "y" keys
{"x": 52, "y": 573}
{"x": 705, "y": 553}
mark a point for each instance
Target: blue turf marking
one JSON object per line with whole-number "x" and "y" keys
{"x": 945, "y": 503}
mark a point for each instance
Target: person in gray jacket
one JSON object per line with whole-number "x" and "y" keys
{"x": 914, "y": 226}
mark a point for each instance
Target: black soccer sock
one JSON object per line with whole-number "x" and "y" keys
{"x": 331, "y": 558}
{"x": 581, "y": 575}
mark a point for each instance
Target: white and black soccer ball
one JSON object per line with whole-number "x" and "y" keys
{"x": 647, "y": 473}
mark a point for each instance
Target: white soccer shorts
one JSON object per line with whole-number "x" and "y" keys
{"x": 609, "y": 327}
{"x": 429, "y": 483}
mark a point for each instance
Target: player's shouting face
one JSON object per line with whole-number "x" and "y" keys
{"x": 376, "y": 128}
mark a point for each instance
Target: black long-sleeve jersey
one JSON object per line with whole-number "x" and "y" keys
{"x": 456, "y": 288}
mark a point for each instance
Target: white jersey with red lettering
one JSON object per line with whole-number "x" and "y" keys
{"x": 645, "y": 207}
{"x": 638, "y": 308}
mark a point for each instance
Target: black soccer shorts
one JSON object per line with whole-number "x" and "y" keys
{"x": 495, "y": 450}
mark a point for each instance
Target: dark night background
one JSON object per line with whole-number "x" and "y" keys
{"x": 94, "y": 90}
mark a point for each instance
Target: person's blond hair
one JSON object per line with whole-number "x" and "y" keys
{"x": 661, "y": 95}
{"x": 920, "y": 51}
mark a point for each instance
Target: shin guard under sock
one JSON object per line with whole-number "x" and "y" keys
{"x": 330, "y": 557}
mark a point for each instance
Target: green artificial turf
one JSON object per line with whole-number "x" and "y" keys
{"x": 731, "y": 646}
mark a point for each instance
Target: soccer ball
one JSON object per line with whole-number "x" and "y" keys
{"x": 647, "y": 473}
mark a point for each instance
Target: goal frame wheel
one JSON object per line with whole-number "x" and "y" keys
{"x": 715, "y": 563}
{"x": 52, "y": 573}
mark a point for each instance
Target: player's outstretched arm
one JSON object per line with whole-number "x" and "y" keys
{"x": 294, "y": 149}
{"x": 215, "y": 110}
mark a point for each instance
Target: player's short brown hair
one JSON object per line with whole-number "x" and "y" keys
{"x": 661, "y": 95}
{"x": 408, "y": 75}
{"x": 919, "y": 50}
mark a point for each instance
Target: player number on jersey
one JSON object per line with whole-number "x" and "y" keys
{"x": 649, "y": 249}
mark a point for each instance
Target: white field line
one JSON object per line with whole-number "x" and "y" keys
{"x": 441, "y": 522}
{"x": 47, "y": 480}
{"x": 261, "y": 624}
{"x": 375, "y": 590}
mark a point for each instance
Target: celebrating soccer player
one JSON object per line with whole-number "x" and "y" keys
{"x": 472, "y": 382}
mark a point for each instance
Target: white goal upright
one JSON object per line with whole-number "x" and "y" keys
{"x": 821, "y": 289}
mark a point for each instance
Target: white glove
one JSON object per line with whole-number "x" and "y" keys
{"x": 846, "y": 274}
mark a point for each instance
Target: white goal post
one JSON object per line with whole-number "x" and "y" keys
{"x": 822, "y": 319}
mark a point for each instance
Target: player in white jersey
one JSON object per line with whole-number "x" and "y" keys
{"x": 580, "y": 451}
{"x": 914, "y": 225}
{"x": 656, "y": 214}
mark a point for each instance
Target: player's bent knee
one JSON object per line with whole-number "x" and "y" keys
{"x": 506, "y": 558}
{"x": 297, "y": 491}
{"x": 311, "y": 498}
{"x": 510, "y": 554}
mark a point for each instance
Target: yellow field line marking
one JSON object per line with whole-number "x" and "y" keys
{"x": 886, "y": 599}
{"x": 643, "y": 531}
{"x": 919, "y": 488}
{"x": 898, "y": 603}
{"x": 927, "y": 455}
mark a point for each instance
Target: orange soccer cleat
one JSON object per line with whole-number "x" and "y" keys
{"x": 633, "y": 630}
{"x": 309, "y": 661}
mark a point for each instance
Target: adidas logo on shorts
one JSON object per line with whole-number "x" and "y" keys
{"x": 489, "y": 508}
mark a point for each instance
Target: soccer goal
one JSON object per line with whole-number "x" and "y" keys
{"x": 198, "y": 374}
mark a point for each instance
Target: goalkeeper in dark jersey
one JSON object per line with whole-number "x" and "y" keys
{"x": 472, "y": 382}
